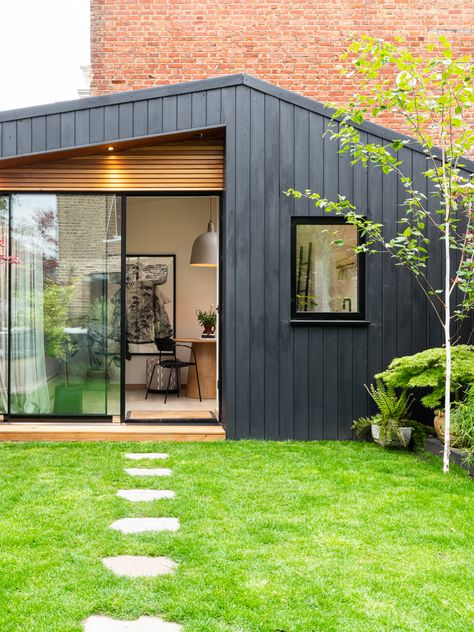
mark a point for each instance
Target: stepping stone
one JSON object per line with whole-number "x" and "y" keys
{"x": 145, "y": 495}
{"x": 149, "y": 471}
{"x": 100, "y": 623}
{"x": 140, "y": 565}
{"x": 135, "y": 456}
{"x": 139, "y": 525}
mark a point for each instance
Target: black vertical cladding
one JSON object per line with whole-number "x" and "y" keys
{"x": 257, "y": 264}
{"x": 374, "y": 277}
{"x": 244, "y": 415}
{"x": 360, "y": 335}
{"x": 404, "y": 322}
{"x": 110, "y": 123}
{"x": 279, "y": 381}
{"x": 301, "y": 335}
{"x": 229, "y": 299}
{"x": 420, "y": 338}
{"x": 271, "y": 221}
{"x": 390, "y": 286}
{"x": 286, "y": 364}
{"x": 316, "y": 334}
{"x": 68, "y": 126}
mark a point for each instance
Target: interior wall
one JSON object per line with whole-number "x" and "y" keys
{"x": 169, "y": 225}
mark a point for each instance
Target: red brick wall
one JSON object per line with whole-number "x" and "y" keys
{"x": 295, "y": 44}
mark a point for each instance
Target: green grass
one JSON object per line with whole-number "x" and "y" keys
{"x": 289, "y": 537}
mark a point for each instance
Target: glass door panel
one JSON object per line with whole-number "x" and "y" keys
{"x": 63, "y": 316}
{"x": 4, "y": 249}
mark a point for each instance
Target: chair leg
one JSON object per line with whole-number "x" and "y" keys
{"x": 168, "y": 385}
{"x": 151, "y": 380}
{"x": 197, "y": 379}
{"x": 178, "y": 380}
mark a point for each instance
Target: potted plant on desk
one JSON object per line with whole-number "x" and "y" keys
{"x": 208, "y": 321}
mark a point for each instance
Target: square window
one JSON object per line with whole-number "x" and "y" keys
{"x": 327, "y": 273}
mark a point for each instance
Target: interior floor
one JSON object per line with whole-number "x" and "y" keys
{"x": 135, "y": 400}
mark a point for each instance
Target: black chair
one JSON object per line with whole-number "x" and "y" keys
{"x": 169, "y": 361}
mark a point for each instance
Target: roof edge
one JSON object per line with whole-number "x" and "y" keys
{"x": 318, "y": 108}
{"x": 213, "y": 83}
{"x": 116, "y": 98}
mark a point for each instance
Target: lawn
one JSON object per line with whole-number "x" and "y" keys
{"x": 292, "y": 537}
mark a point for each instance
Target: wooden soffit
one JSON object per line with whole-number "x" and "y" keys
{"x": 186, "y": 165}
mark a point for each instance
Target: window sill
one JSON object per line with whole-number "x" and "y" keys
{"x": 329, "y": 321}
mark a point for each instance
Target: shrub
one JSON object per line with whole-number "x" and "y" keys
{"x": 426, "y": 370}
{"x": 463, "y": 426}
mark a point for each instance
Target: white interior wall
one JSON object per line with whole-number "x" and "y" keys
{"x": 169, "y": 225}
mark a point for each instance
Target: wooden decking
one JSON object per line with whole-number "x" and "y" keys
{"x": 57, "y": 431}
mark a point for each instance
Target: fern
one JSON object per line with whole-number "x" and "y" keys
{"x": 394, "y": 411}
{"x": 390, "y": 405}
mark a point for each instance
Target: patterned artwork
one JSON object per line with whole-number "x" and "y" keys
{"x": 150, "y": 300}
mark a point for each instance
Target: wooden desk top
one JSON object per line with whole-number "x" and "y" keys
{"x": 196, "y": 340}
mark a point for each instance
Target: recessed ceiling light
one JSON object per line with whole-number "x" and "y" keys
{"x": 111, "y": 148}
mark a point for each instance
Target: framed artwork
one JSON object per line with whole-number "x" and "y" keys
{"x": 150, "y": 301}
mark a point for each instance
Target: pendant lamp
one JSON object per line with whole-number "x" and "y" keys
{"x": 204, "y": 251}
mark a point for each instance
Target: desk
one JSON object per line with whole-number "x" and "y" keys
{"x": 205, "y": 350}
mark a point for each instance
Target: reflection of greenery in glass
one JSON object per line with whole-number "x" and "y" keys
{"x": 101, "y": 337}
{"x": 56, "y": 301}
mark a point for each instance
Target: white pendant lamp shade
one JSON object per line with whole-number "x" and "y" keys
{"x": 205, "y": 248}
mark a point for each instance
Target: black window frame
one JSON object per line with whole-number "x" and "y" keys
{"x": 360, "y": 259}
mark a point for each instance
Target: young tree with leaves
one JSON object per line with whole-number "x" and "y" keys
{"x": 432, "y": 93}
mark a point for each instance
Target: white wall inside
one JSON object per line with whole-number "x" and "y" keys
{"x": 169, "y": 225}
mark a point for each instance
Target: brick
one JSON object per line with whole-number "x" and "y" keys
{"x": 295, "y": 44}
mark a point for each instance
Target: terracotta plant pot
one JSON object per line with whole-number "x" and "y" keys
{"x": 209, "y": 331}
{"x": 438, "y": 424}
{"x": 398, "y": 442}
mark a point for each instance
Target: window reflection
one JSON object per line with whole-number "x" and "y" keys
{"x": 326, "y": 268}
{"x": 65, "y": 316}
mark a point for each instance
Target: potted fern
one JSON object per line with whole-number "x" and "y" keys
{"x": 391, "y": 426}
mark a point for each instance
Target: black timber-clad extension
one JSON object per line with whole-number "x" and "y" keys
{"x": 280, "y": 380}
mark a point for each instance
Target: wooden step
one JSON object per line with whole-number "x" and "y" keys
{"x": 43, "y": 431}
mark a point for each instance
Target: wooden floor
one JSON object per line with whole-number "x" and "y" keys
{"x": 57, "y": 431}
{"x": 191, "y": 415}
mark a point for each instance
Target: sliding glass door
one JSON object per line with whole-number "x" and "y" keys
{"x": 65, "y": 305}
{"x": 4, "y": 273}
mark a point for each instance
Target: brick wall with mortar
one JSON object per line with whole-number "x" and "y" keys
{"x": 295, "y": 44}
{"x": 82, "y": 253}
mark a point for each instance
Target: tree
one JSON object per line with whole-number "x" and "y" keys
{"x": 432, "y": 93}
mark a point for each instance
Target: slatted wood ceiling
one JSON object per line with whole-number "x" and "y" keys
{"x": 183, "y": 166}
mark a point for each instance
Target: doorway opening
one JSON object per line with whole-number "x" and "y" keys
{"x": 170, "y": 364}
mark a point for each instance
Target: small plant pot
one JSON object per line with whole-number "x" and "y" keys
{"x": 209, "y": 331}
{"x": 97, "y": 374}
{"x": 68, "y": 399}
{"x": 402, "y": 441}
{"x": 438, "y": 424}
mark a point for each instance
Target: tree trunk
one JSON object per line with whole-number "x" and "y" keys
{"x": 447, "y": 341}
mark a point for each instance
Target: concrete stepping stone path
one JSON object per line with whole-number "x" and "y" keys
{"x": 140, "y": 525}
{"x": 145, "y": 495}
{"x": 135, "y": 456}
{"x": 140, "y": 565}
{"x": 149, "y": 471}
{"x": 99, "y": 623}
